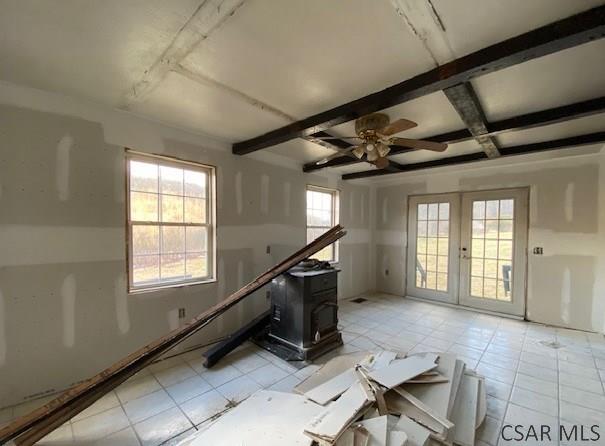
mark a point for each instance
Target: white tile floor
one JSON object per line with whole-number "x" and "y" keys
{"x": 528, "y": 381}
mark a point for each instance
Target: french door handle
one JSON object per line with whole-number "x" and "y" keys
{"x": 463, "y": 254}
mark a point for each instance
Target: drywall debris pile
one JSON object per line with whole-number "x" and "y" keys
{"x": 362, "y": 399}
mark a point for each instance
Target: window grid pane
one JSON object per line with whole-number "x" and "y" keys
{"x": 321, "y": 216}
{"x": 492, "y": 249}
{"x": 432, "y": 246}
{"x": 169, "y": 226}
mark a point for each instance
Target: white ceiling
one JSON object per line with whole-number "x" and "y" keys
{"x": 264, "y": 63}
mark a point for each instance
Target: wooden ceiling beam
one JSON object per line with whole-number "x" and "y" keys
{"x": 527, "y": 121}
{"x": 557, "y": 144}
{"x": 466, "y": 103}
{"x": 566, "y": 33}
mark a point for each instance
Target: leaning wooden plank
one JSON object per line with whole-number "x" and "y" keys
{"x": 329, "y": 424}
{"x": 218, "y": 351}
{"x": 330, "y": 369}
{"x": 464, "y": 415}
{"x": 417, "y": 435}
{"x": 266, "y": 418}
{"x": 401, "y": 370}
{"x": 35, "y": 425}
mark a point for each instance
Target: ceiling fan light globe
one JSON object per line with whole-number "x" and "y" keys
{"x": 383, "y": 150}
{"x": 372, "y": 156}
{"x": 370, "y": 147}
{"x": 358, "y": 152}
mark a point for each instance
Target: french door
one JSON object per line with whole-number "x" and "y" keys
{"x": 469, "y": 249}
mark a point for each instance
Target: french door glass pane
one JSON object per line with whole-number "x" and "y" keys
{"x": 432, "y": 242}
{"x": 492, "y": 249}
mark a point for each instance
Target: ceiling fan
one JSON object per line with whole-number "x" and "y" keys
{"x": 376, "y": 134}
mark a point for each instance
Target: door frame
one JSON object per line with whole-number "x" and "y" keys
{"x": 451, "y": 296}
{"x": 410, "y": 247}
{"x": 516, "y": 307}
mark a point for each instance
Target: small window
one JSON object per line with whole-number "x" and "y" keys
{"x": 171, "y": 229}
{"x": 322, "y": 214}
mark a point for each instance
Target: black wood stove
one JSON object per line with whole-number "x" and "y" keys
{"x": 304, "y": 314}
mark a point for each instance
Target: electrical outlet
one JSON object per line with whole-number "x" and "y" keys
{"x": 181, "y": 313}
{"x": 268, "y": 249}
{"x": 538, "y": 250}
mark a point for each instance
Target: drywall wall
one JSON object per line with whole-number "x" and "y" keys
{"x": 566, "y": 285}
{"x": 64, "y": 310}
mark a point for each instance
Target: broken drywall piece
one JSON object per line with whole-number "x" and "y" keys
{"x": 428, "y": 379}
{"x": 399, "y": 405}
{"x": 464, "y": 415}
{"x": 440, "y": 396}
{"x": 355, "y": 435}
{"x": 266, "y": 418}
{"x": 330, "y": 369}
{"x": 332, "y": 388}
{"x": 417, "y": 435}
{"x": 382, "y": 359}
{"x": 330, "y": 423}
{"x": 404, "y": 403}
{"x": 401, "y": 370}
{"x": 377, "y": 428}
{"x": 481, "y": 403}
{"x": 396, "y": 438}
{"x": 481, "y": 399}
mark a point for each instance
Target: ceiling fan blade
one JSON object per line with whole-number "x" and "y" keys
{"x": 418, "y": 144}
{"x": 335, "y": 137}
{"x": 397, "y": 126}
{"x": 334, "y": 155}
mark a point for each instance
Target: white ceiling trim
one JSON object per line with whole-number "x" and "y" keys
{"x": 209, "y": 16}
{"x": 423, "y": 21}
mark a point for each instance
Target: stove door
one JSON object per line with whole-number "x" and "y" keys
{"x": 324, "y": 320}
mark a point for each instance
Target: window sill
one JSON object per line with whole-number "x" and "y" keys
{"x": 152, "y": 289}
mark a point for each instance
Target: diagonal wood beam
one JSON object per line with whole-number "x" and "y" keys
{"x": 557, "y": 36}
{"x": 528, "y": 121}
{"x": 466, "y": 103}
{"x": 557, "y": 144}
{"x": 209, "y": 15}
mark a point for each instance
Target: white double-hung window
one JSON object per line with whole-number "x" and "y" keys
{"x": 322, "y": 214}
{"x": 171, "y": 215}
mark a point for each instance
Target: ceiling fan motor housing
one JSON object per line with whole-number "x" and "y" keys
{"x": 370, "y": 123}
